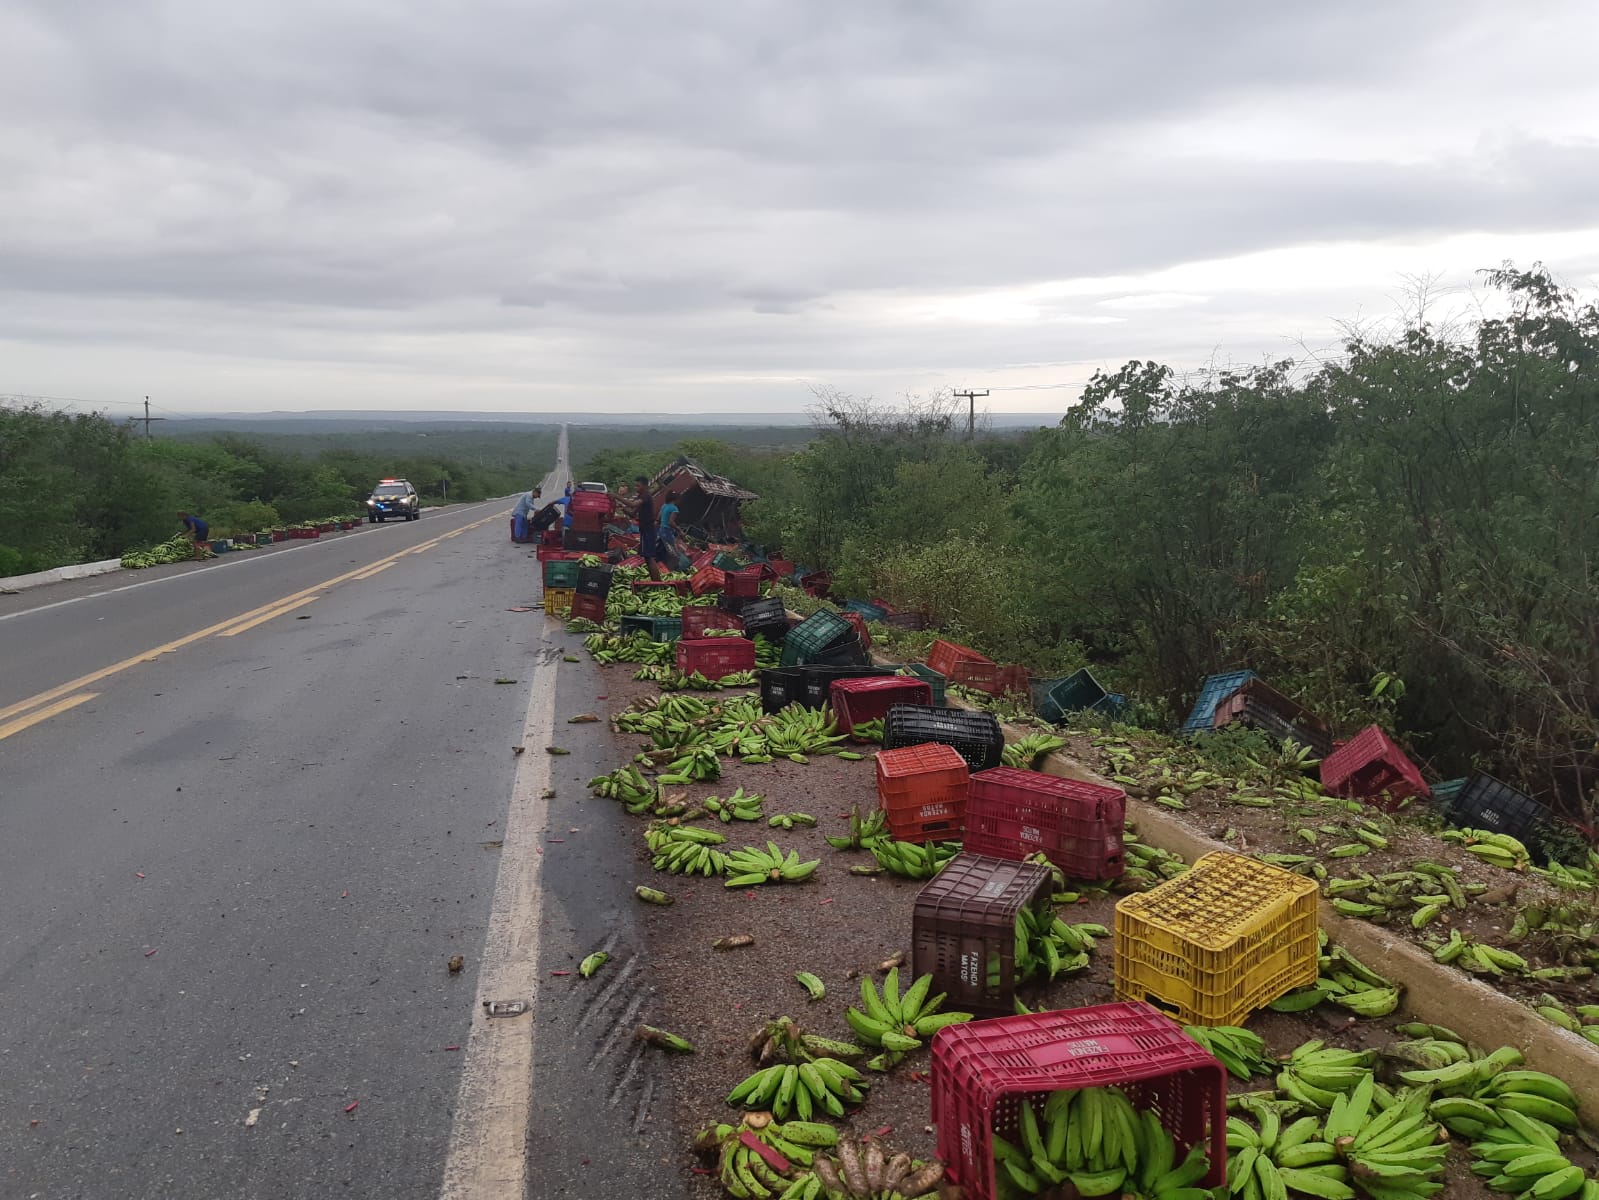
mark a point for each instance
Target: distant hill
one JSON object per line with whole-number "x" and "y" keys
{"x": 346, "y": 421}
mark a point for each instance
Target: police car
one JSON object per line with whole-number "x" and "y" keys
{"x": 392, "y": 498}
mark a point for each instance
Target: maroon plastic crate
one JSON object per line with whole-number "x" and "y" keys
{"x": 990, "y": 677}
{"x": 589, "y": 607}
{"x": 745, "y": 584}
{"x": 946, "y": 656}
{"x": 922, "y": 791}
{"x": 556, "y": 554}
{"x": 632, "y": 560}
{"x": 702, "y": 560}
{"x": 963, "y": 928}
{"x": 783, "y": 567}
{"x": 866, "y": 699}
{"x": 1078, "y": 826}
{"x": 707, "y": 579}
{"x": 1260, "y": 706}
{"x": 715, "y": 657}
{"x": 858, "y": 623}
{"x": 1369, "y": 766}
{"x": 697, "y": 618}
{"x": 984, "y": 1069}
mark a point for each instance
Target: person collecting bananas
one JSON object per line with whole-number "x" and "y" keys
{"x": 196, "y": 530}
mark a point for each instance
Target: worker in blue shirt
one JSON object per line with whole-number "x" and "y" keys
{"x": 525, "y": 504}
{"x": 196, "y": 530}
{"x": 666, "y": 535}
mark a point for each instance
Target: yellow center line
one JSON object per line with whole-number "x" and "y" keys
{"x": 82, "y": 681}
{"x": 44, "y": 714}
{"x": 267, "y": 616}
{"x": 374, "y": 571}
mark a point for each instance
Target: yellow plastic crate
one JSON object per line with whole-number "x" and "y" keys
{"x": 1226, "y": 937}
{"x": 558, "y": 601}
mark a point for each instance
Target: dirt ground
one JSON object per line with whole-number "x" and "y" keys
{"x": 841, "y": 926}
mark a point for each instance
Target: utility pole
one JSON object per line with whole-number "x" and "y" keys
{"x": 971, "y": 413}
{"x": 148, "y": 418}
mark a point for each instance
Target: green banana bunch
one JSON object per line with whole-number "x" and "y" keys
{"x": 789, "y": 821}
{"x": 1242, "y": 1052}
{"x": 757, "y": 1158}
{"x": 1518, "y": 1152}
{"x": 696, "y": 766}
{"x": 909, "y": 860}
{"x": 628, "y": 647}
{"x": 795, "y": 732}
{"x": 1096, "y": 1142}
{"x": 862, "y": 829}
{"x": 1028, "y": 752}
{"x": 1315, "y": 1074}
{"x": 821, "y": 1084}
{"x": 628, "y": 785}
{"x": 685, "y": 850}
{"x": 1397, "y": 1152}
{"x": 1495, "y": 849}
{"x": 862, "y": 1170}
{"x": 750, "y": 867}
{"x": 1478, "y": 957}
{"x": 868, "y": 731}
{"x": 1270, "y": 1160}
{"x": 1047, "y": 947}
{"x": 782, "y": 1040}
{"x": 737, "y": 807}
{"x": 898, "y": 1024}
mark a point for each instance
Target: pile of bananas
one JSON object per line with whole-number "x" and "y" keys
{"x": 1344, "y": 980}
{"x": 818, "y": 1084}
{"x": 1315, "y": 1074}
{"x": 1495, "y": 849}
{"x": 583, "y": 625}
{"x": 1242, "y": 1052}
{"x": 1395, "y": 1154}
{"x": 1047, "y": 947}
{"x": 628, "y": 647}
{"x": 174, "y": 549}
{"x": 750, "y": 867}
{"x": 791, "y": 820}
{"x": 908, "y": 860}
{"x": 1582, "y": 1020}
{"x": 1522, "y": 1155}
{"x": 1568, "y": 933}
{"x": 653, "y": 714}
{"x": 862, "y": 1170}
{"x": 767, "y": 653}
{"x": 1498, "y": 1089}
{"x": 685, "y": 850}
{"x": 737, "y": 807}
{"x": 868, "y": 731}
{"x": 1095, "y": 1142}
{"x": 862, "y": 829}
{"x": 1028, "y": 752}
{"x": 783, "y": 1040}
{"x": 1146, "y": 865}
{"x": 1576, "y": 879}
{"x": 1265, "y": 1163}
{"x": 1418, "y": 895}
{"x": 795, "y": 732}
{"x": 628, "y": 785}
{"x": 1477, "y": 957}
{"x": 898, "y": 1024}
{"x": 697, "y": 764}
{"x": 754, "y": 1157}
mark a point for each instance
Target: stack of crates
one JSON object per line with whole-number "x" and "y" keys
{"x": 1078, "y": 826}
{"x": 922, "y": 792}
{"x": 983, "y": 1070}
{"x": 823, "y": 637}
{"x": 975, "y": 736}
{"x": 590, "y": 511}
{"x": 963, "y": 928}
{"x": 560, "y": 573}
{"x": 1228, "y": 936}
{"x": 867, "y": 699}
{"x": 715, "y": 657}
{"x": 1371, "y": 767}
{"x": 819, "y": 679}
{"x": 697, "y": 618}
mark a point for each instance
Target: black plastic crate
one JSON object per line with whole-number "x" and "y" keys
{"x": 975, "y": 736}
{"x": 765, "y": 617}
{"x": 819, "y": 680}
{"x": 591, "y": 541}
{"x": 780, "y": 687}
{"x": 594, "y": 581}
{"x": 1486, "y": 803}
{"x": 1254, "y": 713}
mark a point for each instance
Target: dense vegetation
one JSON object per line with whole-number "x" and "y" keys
{"x": 1409, "y": 534}
{"x": 81, "y": 487}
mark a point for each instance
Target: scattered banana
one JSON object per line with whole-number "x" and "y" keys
{"x": 750, "y": 867}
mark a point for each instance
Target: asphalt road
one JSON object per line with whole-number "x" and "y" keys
{"x": 232, "y": 876}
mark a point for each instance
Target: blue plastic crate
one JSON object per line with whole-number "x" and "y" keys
{"x": 1216, "y": 689}
{"x": 867, "y": 610}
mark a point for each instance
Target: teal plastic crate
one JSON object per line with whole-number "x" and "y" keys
{"x": 932, "y": 678}
{"x": 726, "y": 562}
{"x": 659, "y": 629}
{"x": 560, "y": 573}
{"x": 814, "y": 636}
{"x": 1072, "y": 694}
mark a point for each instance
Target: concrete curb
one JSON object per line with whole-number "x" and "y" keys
{"x": 21, "y": 583}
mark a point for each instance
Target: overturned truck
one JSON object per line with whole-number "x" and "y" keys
{"x": 707, "y": 504}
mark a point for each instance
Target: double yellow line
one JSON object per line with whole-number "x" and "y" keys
{"x": 23, "y": 714}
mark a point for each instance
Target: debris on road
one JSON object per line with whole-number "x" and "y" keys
{"x": 457, "y": 961}
{"x": 555, "y": 750}
{"x": 736, "y": 942}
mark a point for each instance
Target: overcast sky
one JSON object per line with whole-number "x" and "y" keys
{"x": 641, "y": 205}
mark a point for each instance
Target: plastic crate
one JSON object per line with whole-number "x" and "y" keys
{"x": 726, "y": 562}
{"x": 990, "y": 677}
{"x": 1445, "y": 794}
{"x": 867, "y": 698}
{"x": 1486, "y": 803}
{"x": 1078, "y": 826}
{"x": 1071, "y": 694}
{"x": 820, "y": 677}
{"x": 922, "y": 791}
{"x": 963, "y": 928}
{"x": 745, "y": 583}
{"x": 632, "y": 560}
{"x": 765, "y": 617}
{"x": 1224, "y": 938}
{"x": 817, "y": 633}
{"x": 816, "y": 583}
{"x": 558, "y": 601}
{"x": 946, "y": 655}
{"x": 706, "y": 580}
{"x": 1212, "y": 692}
{"x": 588, "y": 541}
{"x": 858, "y": 624}
{"x": 931, "y": 678}
{"x": 1260, "y": 706}
{"x": 867, "y": 610}
{"x": 659, "y": 629}
{"x": 715, "y": 657}
{"x": 590, "y": 608}
{"x": 982, "y": 1071}
{"x": 549, "y": 553}
{"x": 594, "y": 581}
{"x": 782, "y": 567}
{"x": 1370, "y": 767}
{"x": 976, "y": 736}
{"x": 780, "y": 687}
{"x": 913, "y": 621}
{"x": 594, "y": 503}
{"x": 697, "y": 618}
{"x": 845, "y": 654}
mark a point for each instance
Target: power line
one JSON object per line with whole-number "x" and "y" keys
{"x": 971, "y": 416}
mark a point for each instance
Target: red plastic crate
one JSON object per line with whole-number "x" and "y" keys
{"x": 945, "y": 656}
{"x": 632, "y": 560}
{"x": 622, "y": 541}
{"x": 520, "y": 540}
{"x": 868, "y": 698}
{"x": 858, "y": 623}
{"x": 697, "y": 618}
{"x": 923, "y": 791}
{"x": 1079, "y": 826}
{"x": 990, "y": 677}
{"x": 589, "y": 502}
{"x": 783, "y": 567}
{"x": 715, "y": 657}
{"x": 591, "y": 607}
{"x": 744, "y": 585}
{"x": 703, "y": 559}
{"x": 817, "y": 584}
{"x": 552, "y": 538}
{"x": 1370, "y": 764}
{"x": 984, "y": 1069}
{"x": 707, "y": 579}
{"x": 556, "y": 554}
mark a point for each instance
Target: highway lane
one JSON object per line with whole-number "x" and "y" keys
{"x": 232, "y": 881}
